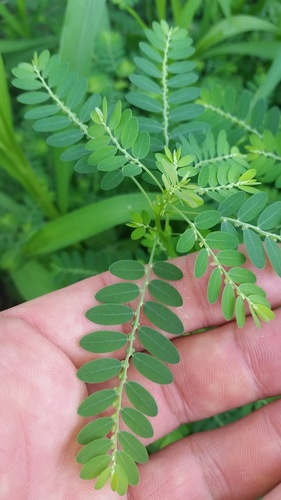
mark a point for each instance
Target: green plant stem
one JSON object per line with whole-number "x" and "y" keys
{"x": 165, "y": 89}
{"x": 24, "y": 19}
{"x": 129, "y": 352}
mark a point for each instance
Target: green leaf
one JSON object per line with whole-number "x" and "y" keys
{"x": 146, "y": 84}
{"x": 254, "y": 248}
{"x": 138, "y": 233}
{"x": 119, "y": 481}
{"x": 99, "y": 370}
{"x": 137, "y": 422}
{"x": 27, "y": 84}
{"x": 52, "y": 124}
{"x": 103, "y": 341}
{"x": 231, "y": 258}
{"x": 231, "y": 204}
{"x": 271, "y": 217}
{"x": 111, "y": 180}
{"x": 141, "y": 146}
{"x": 165, "y": 293}
{"x": 110, "y": 314}
{"x": 163, "y": 318}
{"x": 129, "y": 133}
{"x": 274, "y": 254}
{"x": 207, "y": 219}
{"x": 148, "y": 67}
{"x": 77, "y": 93}
{"x": 264, "y": 312}
{"x": 228, "y": 301}
{"x": 129, "y": 466}
{"x": 144, "y": 102}
{"x": 110, "y": 164}
{"x": 91, "y": 103}
{"x": 95, "y": 467}
{"x": 221, "y": 240}
{"x": 131, "y": 170}
{"x": 214, "y": 286}
{"x": 115, "y": 116}
{"x": 127, "y": 269}
{"x": 248, "y": 289}
{"x": 33, "y": 97}
{"x": 97, "y": 402}
{"x": 42, "y": 112}
{"x": 186, "y": 241}
{"x": 158, "y": 345}
{"x": 95, "y": 430}
{"x": 102, "y": 479}
{"x": 131, "y": 445}
{"x": 252, "y": 207}
{"x": 141, "y": 398}
{"x": 95, "y": 448}
{"x": 241, "y": 275}
{"x": 65, "y": 138}
{"x": 102, "y": 153}
{"x": 119, "y": 293}
{"x": 201, "y": 263}
{"x": 186, "y": 112}
{"x": 167, "y": 271}
{"x": 152, "y": 368}
{"x": 240, "y": 312}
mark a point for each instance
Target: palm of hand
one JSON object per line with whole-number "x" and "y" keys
{"x": 40, "y": 395}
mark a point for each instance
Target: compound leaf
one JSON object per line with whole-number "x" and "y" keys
{"x": 141, "y": 398}
{"x": 158, "y": 345}
{"x": 163, "y": 318}
{"x": 152, "y": 368}
{"x": 137, "y": 422}
{"x": 99, "y": 370}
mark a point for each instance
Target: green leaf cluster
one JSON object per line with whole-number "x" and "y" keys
{"x": 109, "y": 453}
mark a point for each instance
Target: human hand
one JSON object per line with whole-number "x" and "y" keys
{"x": 220, "y": 369}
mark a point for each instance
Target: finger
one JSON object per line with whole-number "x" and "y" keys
{"x": 239, "y": 461}
{"x": 61, "y": 315}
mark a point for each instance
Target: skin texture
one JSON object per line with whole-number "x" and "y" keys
{"x": 220, "y": 369}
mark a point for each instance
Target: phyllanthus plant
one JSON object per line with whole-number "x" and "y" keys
{"x": 182, "y": 153}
